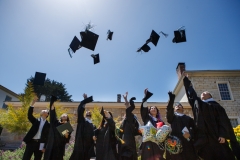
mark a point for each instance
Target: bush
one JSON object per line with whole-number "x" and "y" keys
{"x": 237, "y": 133}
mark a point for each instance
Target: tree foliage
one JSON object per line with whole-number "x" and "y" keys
{"x": 51, "y": 87}
{"x": 15, "y": 119}
{"x": 96, "y": 116}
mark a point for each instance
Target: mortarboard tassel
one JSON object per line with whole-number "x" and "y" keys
{"x": 164, "y": 34}
{"x": 181, "y": 27}
{"x": 69, "y": 50}
{"x": 117, "y": 131}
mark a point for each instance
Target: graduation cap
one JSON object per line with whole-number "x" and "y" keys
{"x": 145, "y": 48}
{"x": 39, "y": 78}
{"x": 179, "y": 35}
{"x": 154, "y": 37}
{"x": 148, "y": 95}
{"x": 96, "y": 58}
{"x": 88, "y": 100}
{"x": 74, "y": 46}
{"x": 110, "y": 34}
{"x": 89, "y": 39}
{"x": 53, "y": 99}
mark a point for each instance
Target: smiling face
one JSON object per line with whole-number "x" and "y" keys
{"x": 44, "y": 113}
{"x": 64, "y": 118}
{"x": 153, "y": 111}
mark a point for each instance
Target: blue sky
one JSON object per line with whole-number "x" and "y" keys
{"x": 35, "y": 36}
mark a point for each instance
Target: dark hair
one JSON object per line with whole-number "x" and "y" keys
{"x": 103, "y": 121}
{"x": 158, "y": 116}
{"x": 178, "y": 104}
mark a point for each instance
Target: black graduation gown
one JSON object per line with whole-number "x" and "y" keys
{"x": 106, "y": 141}
{"x": 127, "y": 151}
{"x": 177, "y": 125}
{"x": 211, "y": 123}
{"x": 55, "y": 149}
{"x": 84, "y": 144}
{"x": 150, "y": 150}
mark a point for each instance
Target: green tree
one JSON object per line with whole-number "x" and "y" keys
{"x": 51, "y": 87}
{"x": 96, "y": 116}
{"x": 15, "y": 119}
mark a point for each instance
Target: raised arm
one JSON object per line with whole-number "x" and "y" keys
{"x": 81, "y": 107}
{"x": 144, "y": 107}
{"x": 53, "y": 115}
{"x": 125, "y": 99}
{"x": 170, "y": 109}
{"x": 190, "y": 92}
{"x": 31, "y": 118}
{"x": 130, "y": 109}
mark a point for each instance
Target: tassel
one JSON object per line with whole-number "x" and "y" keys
{"x": 181, "y": 28}
{"x": 69, "y": 50}
{"x": 166, "y": 35}
{"x": 117, "y": 130}
{"x": 165, "y": 151}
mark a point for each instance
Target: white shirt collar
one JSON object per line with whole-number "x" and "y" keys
{"x": 208, "y": 100}
{"x": 88, "y": 120}
{"x": 42, "y": 120}
{"x": 178, "y": 114}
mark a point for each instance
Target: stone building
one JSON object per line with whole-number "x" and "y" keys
{"x": 224, "y": 85}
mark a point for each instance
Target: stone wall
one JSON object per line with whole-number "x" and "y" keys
{"x": 209, "y": 83}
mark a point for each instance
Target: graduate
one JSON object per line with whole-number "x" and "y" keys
{"x": 84, "y": 144}
{"x": 55, "y": 149}
{"x": 129, "y": 127}
{"x": 183, "y": 128}
{"x": 105, "y": 138}
{"x": 212, "y": 125}
{"x": 150, "y": 150}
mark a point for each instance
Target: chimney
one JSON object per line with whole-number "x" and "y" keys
{"x": 180, "y": 69}
{"x": 118, "y": 97}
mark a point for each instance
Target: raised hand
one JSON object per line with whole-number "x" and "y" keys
{"x": 34, "y": 100}
{"x": 107, "y": 115}
{"x": 171, "y": 95}
{"x": 145, "y": 91}
{"x": 84, "y": 95}
{"x": 125, "y": 96}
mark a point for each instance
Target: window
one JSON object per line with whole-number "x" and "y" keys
{"x": 8, "y": 98}
{"x": 224, "y": 91}
{"x": 234, "y": 122}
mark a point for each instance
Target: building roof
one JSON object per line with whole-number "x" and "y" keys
{"x": 205, "y": 73}
{"x": 8, "y": 91}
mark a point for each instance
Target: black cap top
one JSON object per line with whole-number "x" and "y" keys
{"x": 154, "y": 37}
{"x": 179, "y": 36}
{"x": 96, "y": 58}
{"x": 75, "y": 44}
{"x": 89, "y": 39}
{"x": 145, "y": 48}
{"x": 110, "y": 34}
{"x": 39, "y": 78}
